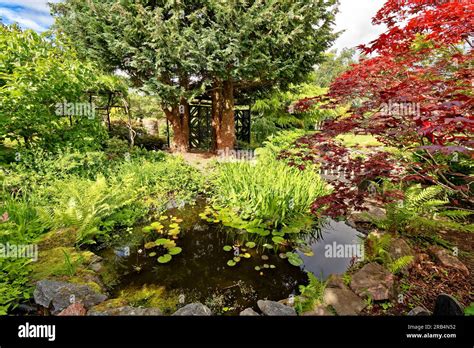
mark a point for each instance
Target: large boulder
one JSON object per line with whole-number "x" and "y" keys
{"x": 446, "y": 259}
{"x": 272, "y": 308}
{"x": 343, "y": 300}
{"x": 193, "y": 309}
{"x": 57, "y": 296}
{"x": 125, "y": 311}
{"x": 373, "y": 281}
{"x": 248, "y": 312}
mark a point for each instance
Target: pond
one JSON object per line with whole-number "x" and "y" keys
{"x": 200, "y": 272}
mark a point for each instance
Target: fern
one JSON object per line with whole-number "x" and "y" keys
{"x": 423, "y": 210}
{"x": 399, "y": 264}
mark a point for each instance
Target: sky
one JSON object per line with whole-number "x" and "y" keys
{"x": 354, "y": 17}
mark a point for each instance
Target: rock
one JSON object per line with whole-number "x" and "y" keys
{"x": 399, "y": 248}
{"x": 318, "y": 311}
{"x": 343, "y": 300}
{"x": 373, "y": 281}
{"x": 248, "y": 312}
{"x": 335, "y": 281}
{"x": 419, "y": 311}
{"x": 59, "y": 295}
{"x": 63, "y": 237}
{"x": 193, "y": 309}
{"x": 76, "y": 309}
{"x": 372, "y": 210}
{"x": 126, "y": 311}
{"x": 272, "y": 308}
{"x": 445, "y": 258}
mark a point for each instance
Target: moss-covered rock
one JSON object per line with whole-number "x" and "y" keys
{"x": 63, "y": 237}
{"x": 151, "y": 296}
{"x": 67, "y": 264}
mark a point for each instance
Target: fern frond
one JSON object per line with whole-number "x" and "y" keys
{"x": 400, "y": 263}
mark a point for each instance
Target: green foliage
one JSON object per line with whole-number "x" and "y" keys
{"x": 469, "y": 310}
{"x": 333, "y": 66}
{"x": 376, "y": 250}
{"x": 397, "y": 265}
{"x": 83, "y": 205}
{"x": 422, "y": 210}
{"x": 207, "y": 44}
{"x": 13, "y": 283}
{"x": 37, "y": 73}
{"x": 272, "y": 113}
{"x": 269, "y": 191}
{"x": 310, "y": 295}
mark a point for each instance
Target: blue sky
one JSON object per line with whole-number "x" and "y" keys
{"x": 354, "y": 16}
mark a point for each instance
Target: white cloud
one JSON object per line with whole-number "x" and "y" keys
{"x": 355, "y": 17}
{"x": 29, "y": 14}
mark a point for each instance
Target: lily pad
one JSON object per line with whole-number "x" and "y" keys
{"x": 278, "y": 240}
{"x": 237, "y": 259}
{"x": 231, "y": 263}
{"x": 175, "y": 250}
{"x": 165, "y": 258}
{"x": 150, "y": 245}
{"x": 266, "y": 265}
{"x": 272, "y": 266}
{"x": 294, "y": 259}
{"x": 227, "y": 248}
{"x": 268, "y": 246}
{"x": 246, "y": 255}
{"x": 250, "y": 245}
{"x": 264, "y": 257}
{"x": 153, "y": 254}
{"x": 282, "y": 255}
{"x": 257, "y": 268}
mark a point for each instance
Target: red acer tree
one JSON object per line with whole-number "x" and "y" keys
{"x": 415, "y": 88}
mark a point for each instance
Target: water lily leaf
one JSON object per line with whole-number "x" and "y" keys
{"x": 278, "y": 240}
{"x": 231, "y": 263}
{"x": 266, "y": 265}
{"x": 250, "y": 245}
{"x": 264, "y": 257}
{"x": 165, "y": 258}
{"x": 236, "y": 259}
{"x": 257, "y": 268}
{"x": 175, "y": 250}
{"x": 282, "y": 255}
{"x": 150, "y": 245}
{"x": 161, "y": 241}
{"x": 173, "y": 232}
{"x": 268, "y": 246}
{"x": 227, "y": 248}
{"x": 272, "y": 266}
{"x": 156, "y": 226}
{"x": 246, "y": 255}
{"x": 278, "y": 233}
{"x": 294, "y": 259}
{"x": 153, "y": 254}
{"x": 264, "y": 233}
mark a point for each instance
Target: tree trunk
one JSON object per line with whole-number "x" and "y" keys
{"x": 180, "y": 123}
{"x": 223, "y": 125}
